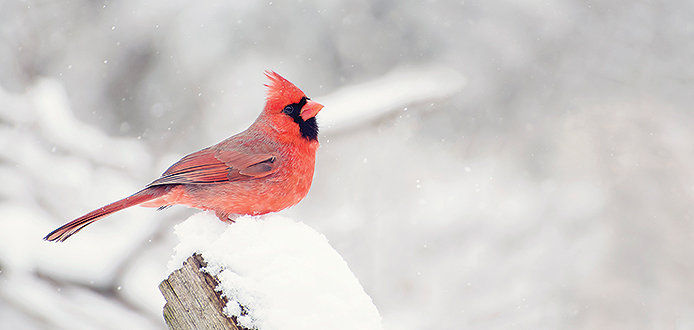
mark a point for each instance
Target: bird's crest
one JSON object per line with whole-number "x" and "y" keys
{"x": 280, "y": 90}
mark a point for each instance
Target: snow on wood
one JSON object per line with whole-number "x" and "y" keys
{"x": 277, "y": 273}
{"x": 355, "y": 105}
{"x": 191, "y": 299}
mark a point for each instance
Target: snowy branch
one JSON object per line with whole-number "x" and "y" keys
{"x": 354, "y": 106}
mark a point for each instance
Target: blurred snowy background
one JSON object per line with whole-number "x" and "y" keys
{"x": 484, "y": 164}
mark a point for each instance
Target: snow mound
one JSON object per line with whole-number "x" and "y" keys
{"x": 285, "y": 274}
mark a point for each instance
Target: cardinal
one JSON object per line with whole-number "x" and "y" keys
{"x": 266, "y": 168}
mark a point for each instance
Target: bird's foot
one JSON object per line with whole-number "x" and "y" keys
{"x": 226, "y": 217}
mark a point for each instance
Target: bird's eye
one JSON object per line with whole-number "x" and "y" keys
{"x": 288, "y": 109}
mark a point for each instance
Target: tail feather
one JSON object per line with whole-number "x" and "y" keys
{"x": 72, "y": 227}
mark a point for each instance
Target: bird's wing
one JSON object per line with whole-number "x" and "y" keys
{"x": 212, "y": 165}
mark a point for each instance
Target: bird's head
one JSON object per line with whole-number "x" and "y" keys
{"x": 288, "y": 109}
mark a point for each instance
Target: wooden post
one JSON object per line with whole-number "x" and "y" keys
{"x": 191, "y": 301}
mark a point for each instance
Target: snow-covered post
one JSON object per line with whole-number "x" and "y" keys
{"x": 266, "y": 272}
{"x": 191, "y": 299}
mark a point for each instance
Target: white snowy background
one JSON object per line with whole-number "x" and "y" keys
{"x": 484, "y": 164}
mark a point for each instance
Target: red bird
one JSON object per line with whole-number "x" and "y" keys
{"x": 266, "y": 168}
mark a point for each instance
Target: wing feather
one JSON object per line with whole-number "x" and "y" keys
{"x": 211, "y": 165}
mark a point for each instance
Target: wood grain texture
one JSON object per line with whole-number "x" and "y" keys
{"x": 191, "y": 301}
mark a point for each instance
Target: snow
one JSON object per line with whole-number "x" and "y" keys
{"x": 50, "y": 100}
{"x": 353, "y": 105}
{"x": 66, "y": 174}
{"x": 285, "y": 274}
{"x": 53, "y": 167}
{"x": 83, "y": 308}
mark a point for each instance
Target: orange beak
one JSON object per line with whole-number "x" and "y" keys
{"x": 310, "y": 110}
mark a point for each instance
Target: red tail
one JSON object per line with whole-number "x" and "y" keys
{"x": 76, "y": 225}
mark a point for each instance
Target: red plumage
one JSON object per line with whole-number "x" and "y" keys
{"x": 266, "y": 168}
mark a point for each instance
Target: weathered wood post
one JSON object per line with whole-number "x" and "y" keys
{"x": 191, "y": 299}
